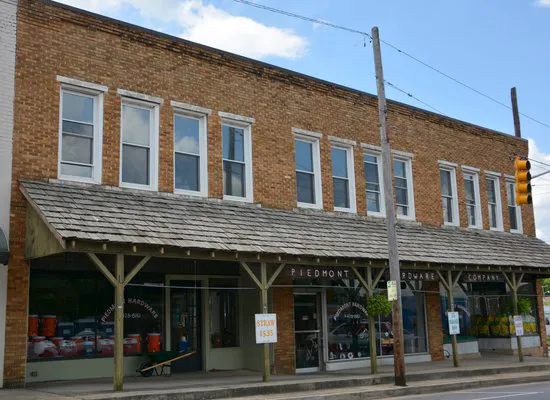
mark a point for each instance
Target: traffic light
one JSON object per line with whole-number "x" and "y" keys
{"x": 523, "y": 181}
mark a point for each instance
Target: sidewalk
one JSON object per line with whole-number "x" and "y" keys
{"x": 434, "y": 376}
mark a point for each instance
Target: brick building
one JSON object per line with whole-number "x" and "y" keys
{"x": 201, "y": 175}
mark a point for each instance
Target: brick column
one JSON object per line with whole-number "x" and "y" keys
{"x": 541, "y": 318}
{"x": 433, "y": 316}
{"x": 283, "y": 306}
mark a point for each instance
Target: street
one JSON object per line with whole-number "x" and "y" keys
{"x": 531, "y": 391}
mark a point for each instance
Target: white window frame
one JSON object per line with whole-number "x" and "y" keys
{"x": 496, "y": 179}
{"x": 378, "y": 155}
{"x": 407, "y": 159}
{"x": 153, "y": 142}
{"x": 451, "y": 168}
{"x": 314, "y": 139}
{"x": 201, "y": 115}
{"x": 246, "y": 126}
{"x": 474, "y": 173}
{"x": 96, "y": 92}
{"x": 351, "y": 176}
{"x": 511, "y": 180}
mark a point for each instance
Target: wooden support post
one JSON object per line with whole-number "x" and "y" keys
{"x": 515, "y": 285}
{"x": 454, "y": 343}
{"x": 118, "y": 384}
{"x": 264, "y": 288}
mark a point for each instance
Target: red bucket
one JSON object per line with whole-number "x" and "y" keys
{"x": 33, "y": 325}
{"x": 136, "y": 336}
{"x": 49, "y": 323}
{"x": 153, "y": 342}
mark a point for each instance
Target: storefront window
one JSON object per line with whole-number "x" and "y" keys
{"x": 223, "y": 302}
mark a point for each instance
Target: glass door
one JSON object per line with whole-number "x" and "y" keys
{"x": 307, "y": 331}
{"x": 185, "y": 323}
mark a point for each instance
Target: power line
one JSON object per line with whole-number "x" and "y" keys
{"x": 411, "y": 96}
{"x": 416, "y": 59}
{"x": 539, "y": 162}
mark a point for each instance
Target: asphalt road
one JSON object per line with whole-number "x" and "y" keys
{"x": 530, "y": 391}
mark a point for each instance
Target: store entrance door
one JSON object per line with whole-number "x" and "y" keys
{"x": 307, "y": 331}
{"x": 185, "y": 323}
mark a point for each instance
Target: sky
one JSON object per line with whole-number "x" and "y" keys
{"x": 489, "y": 45}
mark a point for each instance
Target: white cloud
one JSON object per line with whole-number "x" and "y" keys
{"x": 541, "y": 191}
{"x": 212, "y": 26}
{"x": 543, "y": 3}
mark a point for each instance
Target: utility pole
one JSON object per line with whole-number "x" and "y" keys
{"x": 397, "y": 328}
{"x": 515, "y": 111}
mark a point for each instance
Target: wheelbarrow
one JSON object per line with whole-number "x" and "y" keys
{"x": 160, "y": 363}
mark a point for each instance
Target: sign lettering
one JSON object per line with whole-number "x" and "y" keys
{"x": 454, "y": 322}
{"x": 518, "y": 323}
{"x": 392, "y": 290}
{"x": 422, "y": 276}
{"x": 477, "y": 277}
{"x": 301, "y": 272}
{"x": 266, "y": 328}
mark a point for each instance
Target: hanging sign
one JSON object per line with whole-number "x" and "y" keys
{"x": 454, "y": 322}
{"x": 392, "y": 290}
{"x": 307, "y": 272}
{"x": 518, "y": 322}
{"x": 266, "y": 328}
{"x": 480, "y": 277}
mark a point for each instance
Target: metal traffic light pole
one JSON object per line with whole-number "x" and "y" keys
{"x": 397, "y": 319}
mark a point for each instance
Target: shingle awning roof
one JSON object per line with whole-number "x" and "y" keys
{"x": 4, "y": 252}
{"x": 114, "y": 215}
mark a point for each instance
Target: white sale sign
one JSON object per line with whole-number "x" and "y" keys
{"x": 266, "y": 328}
{"x": 454, "y": 322}
{"x": 518, "y": 323}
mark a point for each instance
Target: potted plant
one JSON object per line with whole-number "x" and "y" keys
{"x": 377, "y": 305}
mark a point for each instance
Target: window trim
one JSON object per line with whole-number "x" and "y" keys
{"x": 249, "y": 181}
{"x": 446, "y": 166}
{"x": 382, "y": 212}
{"x": 153, "y": 143}
{"x": 351, "y": 176}
{"x": 98, "y": 101}
{"x": 500, "y": 224}
{"x": 479, "y": 217}
{"x": 203, "y": 149}
{"x": 316, "y": 157}
{"x": 410, "y": 192}
{"x": 518, "y": 208}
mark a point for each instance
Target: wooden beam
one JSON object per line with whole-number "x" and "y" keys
{"x": 267, "y": 362}
{"x": 275, "y": 275}
{"x": 39, "y": 240}
{"x": 104, "y": 270}
{"x": 252, "y": 274}
{"x": 136, "y": 269}
{"x": 443, "y": 281}
{"x": 455, "y": 281}
{"x": 362, "y": 281}
{"x": 378, "y": 277}
{"x": 118, "y": 379}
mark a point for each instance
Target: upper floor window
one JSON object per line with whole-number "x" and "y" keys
{"x": 404, "y": 200}
{"x": 473, "y": 208}
{"x": 343, "y": 181}
{"x": 308, "y": 172}
{"x": 514, "y": 211}
{"x": 190, "y": 153}
{"x": 139, "y": 143}
{"x": 374, "y": 187}
{"x": 237, "y": 161}
{"x": 80, "y": 134}
{"x": 449, "y": 196}
{"x": 494, "y": 203}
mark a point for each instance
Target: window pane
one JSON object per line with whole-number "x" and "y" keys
{"x": 448, "y": 209}
{"x": 233, "y": 143}
{"x": 339, "y": 163}
{"x": 491, "y": 193}
{"x": 136, "y": 125}
{"x": 341, "y": 192}
{"x": 511, "y": 193}
{"x": 305, "y": 187}
{"x": 402, "y": 210}
{"x": 513, "y": 217}
{"x": 76, "y": 170}
{"x": 371, "y": 173}
{"x": 77, "y": 149}
{"x": 187, "y": 172}
{"x": 399, "y": 168}
{"x": 471, "y": 214}
{"x": 224, "y": 322}
{"x": 401, "y": 183}
{"x": 492, "y": 215}
{"x": 401, "y": 196}
{"x": 373, "y": 202}
{"x": 446, "y": 188}
{"x": 78, "y": 128}
{"x": 78, "y": 108}
{"x": 233, "y": 179}
{"x": 470, "y": 193}
{"x": 186, "y": 135}
{"x": 304, "y": 155}
{"x": 135, "y": 165}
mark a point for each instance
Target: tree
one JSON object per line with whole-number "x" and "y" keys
{"x": 377, "y": 305}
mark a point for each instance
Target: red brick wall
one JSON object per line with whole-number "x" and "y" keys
{"x": 283, "y": 306}
{"x": 433, "y": 316}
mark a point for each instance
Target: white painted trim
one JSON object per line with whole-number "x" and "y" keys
{"x": 347, "y": 142}
{"x": 469, "y": 169}
{"x": 190, "y": 107}
{"x": 410, "y": 188}
{"x": 500, "y": 224}
{"x": 97, "y": 135}
{"x": 249, "y": 181}
{"x": 303, "y": 132}
{"x": 382, "y": 212}
{"x": 316, "y": 155}
{"x": 203, "y": 152}
{"x": 82, "y": 84}
{"x": 351, "y": 179}
{"x": 456, "y": 215}
{"x": 492, "y": 173}
{"x": 479, "y": 217}
{"x": 443, "y": 163}
{"x": 153, "y": 144}
{"x": 235, "y": 117}
{"x": 510, "y": 177}
{"x": 371, "y": 147}
{"x": 402, "y": 154}
{"x": 140, "y": 96}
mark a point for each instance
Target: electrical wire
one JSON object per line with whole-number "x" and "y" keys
{"x": 416, "y": 59}
{"x": 412, "y": 96}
